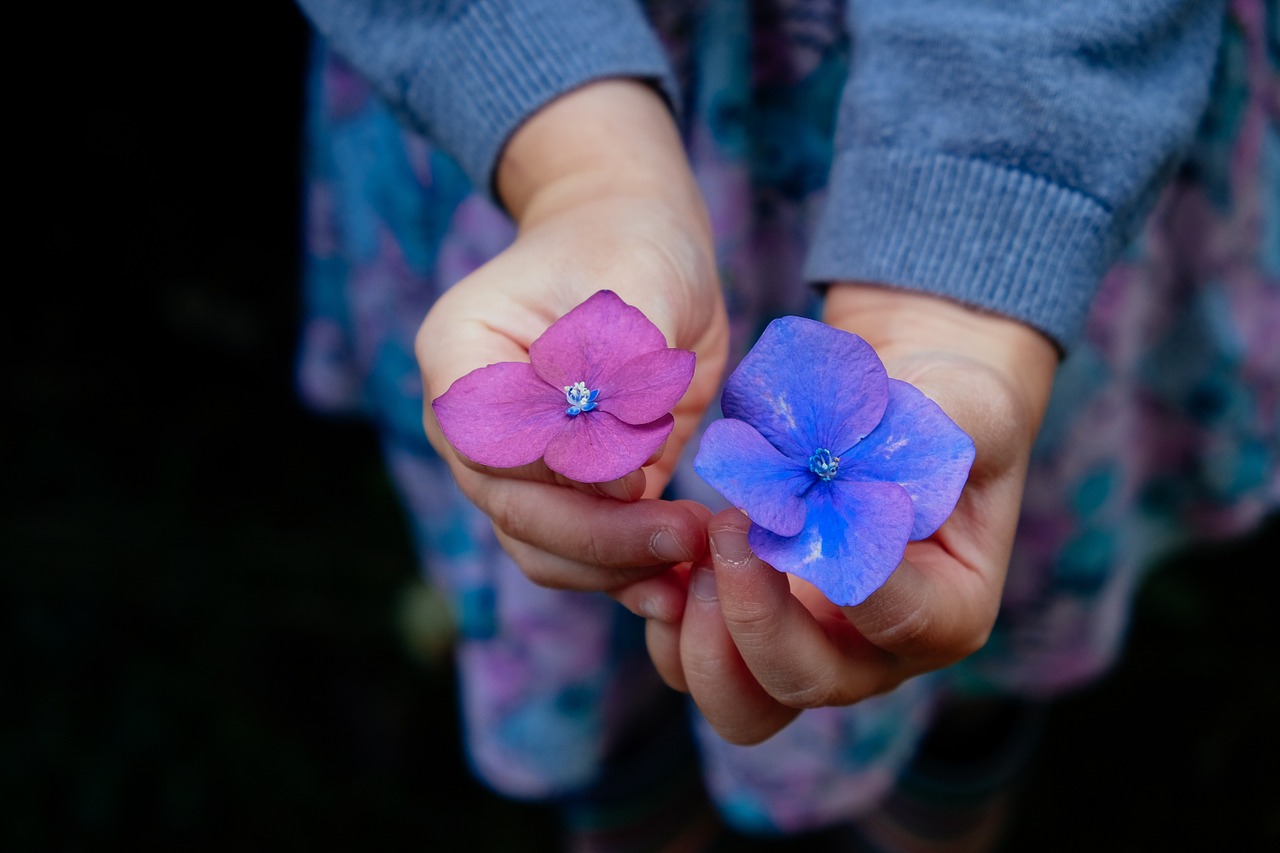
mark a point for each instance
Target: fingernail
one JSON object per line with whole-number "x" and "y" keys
{"x": 703, "y": 584}
{"x": 731, "y": 546}
{"x": 666, "y": 547}
{"x": 645, "y": 608}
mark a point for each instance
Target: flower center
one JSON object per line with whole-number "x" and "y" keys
{"x": 824, "y": 464}
{"x": 580, "y": 399}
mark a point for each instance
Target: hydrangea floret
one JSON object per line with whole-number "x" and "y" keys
{"x": 837, "y": 465}
{"x": 593, "y": 401}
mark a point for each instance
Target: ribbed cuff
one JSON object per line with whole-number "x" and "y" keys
{"x": 502, "y": 60}
{"x": 985, "y": 235}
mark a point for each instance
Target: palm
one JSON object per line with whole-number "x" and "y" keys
{"x": 754, "y": 646}
{"x": 653, "y": 261}
{"x": 496, "y": 313}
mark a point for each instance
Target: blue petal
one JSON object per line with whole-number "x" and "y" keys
{"x": 806, "y": 385}
{"x": 854, "y": 538}
{"x": 921, "y": 449}
{"x": 752, "y": 475}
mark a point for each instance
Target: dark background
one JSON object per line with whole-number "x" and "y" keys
{"x": 205, "y": 587}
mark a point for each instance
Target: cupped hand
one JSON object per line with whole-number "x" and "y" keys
{"x": 599, "y": 186}
{"x": 754, "y": 646}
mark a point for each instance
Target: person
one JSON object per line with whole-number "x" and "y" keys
{"x": 950, "y": 183}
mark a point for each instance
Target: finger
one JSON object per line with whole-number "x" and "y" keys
{"x": 555, "y": 572}
{"x": 663, "y": 642}
{"x": 940, "y": 604}
{"x": 803, "y": 658}
{"x": 661, "y": 597}
{"x": 629, "y": 487}
{"x": 720, "y": 682}
{"x": 662, "y": 638}
{"x": 931, "y": 612}
{"x": 592, "y": 530}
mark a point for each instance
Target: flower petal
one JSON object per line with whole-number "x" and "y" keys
{"x": 502, "y": 415}
{"x": 806, "y": 385}
{"x": 853, "y": 539}
{"x": 601, "y": 332}
{"x": 596, "y": 447}
{"x": 752, "y": 475}
{"x": 646, "y": 387}
{"x": 921, "y": 449}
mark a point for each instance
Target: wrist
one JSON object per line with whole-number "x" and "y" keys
{"x": 609, "y": 139}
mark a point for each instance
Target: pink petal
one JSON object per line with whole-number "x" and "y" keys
{"x": 596, "y": 447}
{"x": 602, "y": 332}
{"x": 502, "y": 415}
{"x": 646, "y": 387}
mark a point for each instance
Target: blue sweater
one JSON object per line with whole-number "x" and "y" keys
{"x": 995, "y": 152}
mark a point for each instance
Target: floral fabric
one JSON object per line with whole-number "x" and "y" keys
{"x": 1164, "y": 425}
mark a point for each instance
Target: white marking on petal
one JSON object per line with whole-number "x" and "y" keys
{"x": 783, "y": 408}
{"x": 895, "y": 446}
{"x": 815, "y": 551}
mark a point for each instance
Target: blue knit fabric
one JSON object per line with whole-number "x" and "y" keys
{"x": 467, "y": 74}
{"x": 1001, "y": 152}
{"x": 996, "y": 152}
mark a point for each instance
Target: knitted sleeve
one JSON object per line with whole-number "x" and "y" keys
{"x": 467, "y": 73}
{"x": 1001, "y": 152}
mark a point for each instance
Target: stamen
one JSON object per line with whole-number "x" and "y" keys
{"x": 824, "y": 464}
{"x": 579, "y": 398}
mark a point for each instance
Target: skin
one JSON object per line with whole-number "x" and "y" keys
{"x": 754, "y": 647}
{"x": 604, "y": 198}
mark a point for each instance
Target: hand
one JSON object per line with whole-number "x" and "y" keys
{"x": 600, "y": 187}
{"x": 755, "y": 646}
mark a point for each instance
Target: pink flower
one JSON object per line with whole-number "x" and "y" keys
{"x": 593, "y": 402}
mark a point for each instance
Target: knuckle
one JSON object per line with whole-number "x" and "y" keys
{"x": 911, "y": 634}
{"x": 807, "y": 689}
{"x": 503, "y": 512}
{"x": 751, "y": 622}
{"x": 704, "y": 674}
{"x": 918, "y": 636}
{"x": 596, "y": 549}
{"x": 806, "y": 695}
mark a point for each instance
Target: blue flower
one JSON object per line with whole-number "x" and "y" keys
{"x": 837, "y": 465}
